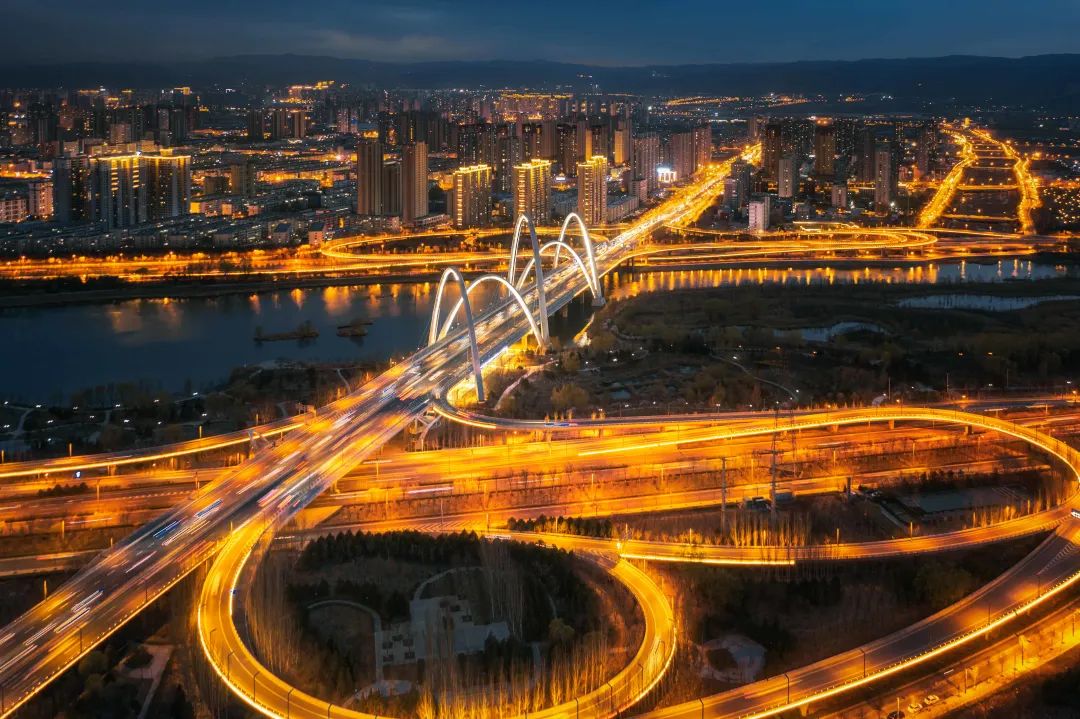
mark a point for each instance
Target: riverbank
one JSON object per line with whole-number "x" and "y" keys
{"x": 202, "y": 289}
{"x": 47, "y": 294}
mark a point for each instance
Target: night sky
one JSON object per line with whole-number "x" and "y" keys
{"x": 602, "y": 32}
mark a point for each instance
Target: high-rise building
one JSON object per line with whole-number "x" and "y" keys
{"x": 549, "y": 140}
{"x": 681, "y": 154}
{"x": 742, "y": 172}
{"x": 787, "y": 177}
{"x": 471, "y": 196}
{"x": 414, "y": 181}
{"x": 797, "y": 137}
{"x": 256, "y": 124}
{"x": 44, "y": 123}
{"x": 41, "y": 199}
{"x": 167, "y": 179}
{"x": 242, "y": 178}
{"x": 71, "y": 189}
{"x": 772, "y": 148}
{"x": 298, "y": 124}
{"x": 476, "y": 144}
{"x": 839, "y": 195}
{"x": 584, "y": 143}
{"x": 119, "y": 133}
{"x": 647, "y": 159}
{"x": 391, "y": 188}
{"x": 510, "y": 155}
{"x": 600, "y": 141}
{"x": 532, "y": 140}
{"x": 592, "y": 177}
{"x": 885, "y": 177}
{"x": 845, "y": 137}
{"x": 369, "y": 162}
{"x": 14, "y": 206}
{"x": 923, "y": 147}
{"x": 702, "y": 147}
{"x": 347, "y": 120}
{"x": 865, "y": 142}
{"x": 731, "y": 193}
{"x": 126, "y": 190}
{"x": 288, "y": 123}
{"x": 622, "y": 149}
{"x": 566, "y": 152}
{"x": 824, "y": 148}
{"x": 532, "y": 191}
{"x": 759, "y": 214}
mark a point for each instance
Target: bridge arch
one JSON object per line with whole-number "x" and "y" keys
{"x": 558, "y": 246}
{"x": 437, "y": 332}
{"x": 590, "y": 254}
{"x": 474, "y": 351}
{"x": 522, "y": 222}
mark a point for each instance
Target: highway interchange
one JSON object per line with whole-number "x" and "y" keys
{"x": 223, "y": 522}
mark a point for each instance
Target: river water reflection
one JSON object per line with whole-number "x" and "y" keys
{"x": 50, "y": 352}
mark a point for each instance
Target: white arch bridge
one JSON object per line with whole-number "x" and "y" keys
{"x": 513, "y": 283}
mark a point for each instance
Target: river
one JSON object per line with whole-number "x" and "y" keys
{"x": 51, "y": 352}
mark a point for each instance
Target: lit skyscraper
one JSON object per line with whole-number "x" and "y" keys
{"x": 787, "y": 177}
{"x": 702, "y": 147}
{"x": 167, "y": 179}
{"x": 414, "y": 181}
{"x": 772, "y": 144}
{"x": 391, "y": 188}
{"x": 532, "y": 191}
{"x": 824, "y": 149}
{"x": 592, "y": 190}
{"x": 369, "y": 160}
{"x": 71, "y": 189}
{"x": 126, "y": 190}
{"x": 885, "y": 176}
{"x": 681, "y": 154}
{"x": 647, "y": 159}
{"x": 471, "y": 199}
{"x": 759, "y": 214}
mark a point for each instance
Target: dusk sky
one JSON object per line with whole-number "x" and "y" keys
{"x": 629, "y": 32}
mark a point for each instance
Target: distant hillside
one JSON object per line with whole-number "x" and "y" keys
{"x": 1050, "y": 79}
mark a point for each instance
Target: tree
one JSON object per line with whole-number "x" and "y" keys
{"x": 601, "y": 341}
{"x": 940, "y": 584}
{"x": 560, "y": 633}
{"x": 569, "y": 396}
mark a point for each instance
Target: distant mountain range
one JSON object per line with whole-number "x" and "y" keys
{"x": 1053, "y": 80}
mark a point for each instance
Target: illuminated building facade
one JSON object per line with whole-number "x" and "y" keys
{"x": 824, "y": 148}
{"x": 369, "y": 161}
{"x": 471, "y": 196}
{"x": 592, "y": 178}
{"x": 127, "y": 190}
{"x": 772, "y": 148}
{"x": 759, "y": 214}
{"x": 646, "y": 160}
{"x": 532, "y": 190}
{"x": 167, "y": 179}
{"x": 885, "y": 177}
{"x": 787, "y": 180}
{"x": 414, "y": 181}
